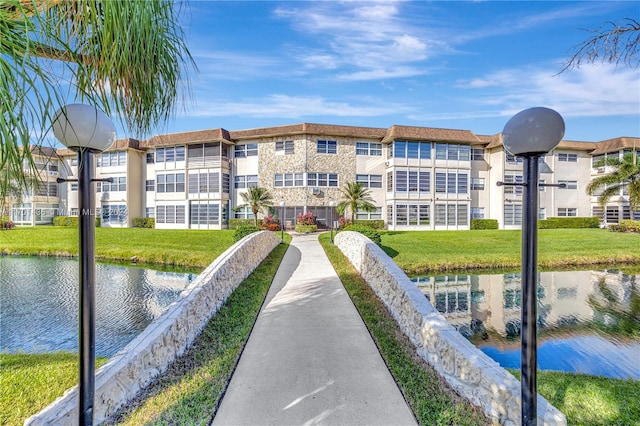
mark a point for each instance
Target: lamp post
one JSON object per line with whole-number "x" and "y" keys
{"x": 331, "y": 205}
{"x": 282, "y": 204}
{"x": 86, "y": 130}
{"x": 530, "y": 134}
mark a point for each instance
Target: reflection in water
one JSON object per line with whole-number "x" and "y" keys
{"x": 588, "y": 321}
{"x": 39, "y": 303}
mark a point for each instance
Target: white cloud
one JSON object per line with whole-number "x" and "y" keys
{"x": 295, "y": 107}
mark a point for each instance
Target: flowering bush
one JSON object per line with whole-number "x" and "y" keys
{"x": 269, "y": 223}
{"x": 6, "y": 223}
{"x": 306, "y": 219}
{"x": 343, "y": 221}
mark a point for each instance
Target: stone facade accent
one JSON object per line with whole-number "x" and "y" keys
{"x": 166, "y": 338}
{"x": 468, "y": 370}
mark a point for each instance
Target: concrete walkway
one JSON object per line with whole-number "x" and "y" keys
{"x": 310, "y": 359}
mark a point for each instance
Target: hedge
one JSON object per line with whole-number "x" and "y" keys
{"x": 367, "y": 231}
{"x": 236, "y": 223}
{"x": 484, "y": 224}
{"x": 569, "y": 222}
{"x": 70, "y": 221}
{"x": 244, "y": 230}
{"x": 626, "y": 226}
{"x": 375, "y": 224}
{"x": 144, "y": 222}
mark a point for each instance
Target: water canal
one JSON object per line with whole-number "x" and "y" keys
{"x": 588, "y": 321}
{"x": 39, "y": 303}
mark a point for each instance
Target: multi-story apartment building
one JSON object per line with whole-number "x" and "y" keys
{"x": 420, "y": 178}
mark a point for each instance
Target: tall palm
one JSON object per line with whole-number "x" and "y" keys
{"x": 625, "y": 172}
{"x": 355, "y": 197}
{"x": 128, "y": 58}
{"x": 258, "y": 199}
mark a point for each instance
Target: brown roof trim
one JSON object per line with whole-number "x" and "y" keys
{"x": 616, "y": 144}
{"x": 308, "y": 128}
{"x": 212, "y": 135}
{"x": 430, "y": 134}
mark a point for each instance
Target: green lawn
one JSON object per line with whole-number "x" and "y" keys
{"x": 153, "y": 246}
{"x": 439, "y": 251}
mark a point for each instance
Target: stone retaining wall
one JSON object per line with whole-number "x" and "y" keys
{"x": 468, "y": 370}
{"x": 149, "y": 354}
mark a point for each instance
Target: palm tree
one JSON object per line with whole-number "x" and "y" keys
{"x": 355, "y": 197}
{"x": 625, "y": 172}
{"x": 89, "y": 51}
{"x": 259, "y": 199}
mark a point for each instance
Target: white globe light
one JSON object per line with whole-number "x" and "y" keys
{"x": 533, "y": 131}
{"x": 282, "y": 203}
{"x": 80, "y": 126}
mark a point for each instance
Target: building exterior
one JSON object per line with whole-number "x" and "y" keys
{"x": 420, "y": 178}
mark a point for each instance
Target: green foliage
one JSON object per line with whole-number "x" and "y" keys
{"x": 243, "y": 231}
{"x": 257, "y": 198}
{"x": 374, "y": 224}
{"x": 307, "y": 218}
{"x": 626, "y": 226}
{"x": 30, "y": 382}
{"x": 569, "y": 223}
{"x": 236, "y": 223}
{"x": 355, "y": 197}
{"x": 484, "y": 224}
{"x": 144, "y": 222}
{"x": 368, "y": 232}
{"x": 6, "y": 223}
{"x": 65, "y": 221}
{"x": 306, "y": 229}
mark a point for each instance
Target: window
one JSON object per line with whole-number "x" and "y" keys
{"x": 513, "y": 214}
{"x": 322, "y": 179}
{"x": 567, "y": 212}
{"x": 116, "y": 214}
{"x": 369, "y": 148}
{"x": 249, "y": 181}
{"x": 170, "y": 182}
{"x": 284, "y": 147}
{"x": 170, "y": 214}
{"x": 451, "y": 214}
{"x": 477, "y": 154}
{"x": 150, "y": 157}
{"x": 568, "y": 158}
{"x": 74, "y": 186}
{"x": 370, "y": 181}
{"x": 477, "y": 212}
{"x": 288, "y": 179}
{"x": 411, "y": 149}
{"x": 110, "y": 159}
{"x": 542, "y": 213}
{"x": 412, "y": 214}
{"x": 452, "y": 183}
{"x": 244, "y": 213}
{"x": 150, "y": 212}
{"x": 204, "y": 182}
{"x": 150, "y": 185}
{"x": 512, "y": 159}
{"x": 389, "y": 182}
{"x": 203, "y": 155}
{"x": 205, "y": 214}
{"x": 612, "y": 214}
{"x": 452, "y": 151}
{"x": 477, "y": 184}
{"x": 246, "y": 150}
{"x": 571, "y": 184}
{"x": 327, "y": 147}
{"x": 374, "y": 215}
{"x": 511, "y": 189}
{"x": 47, "y": 189}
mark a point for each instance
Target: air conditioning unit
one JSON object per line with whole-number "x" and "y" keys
{"x": 600, "y": 169}
{"x": 315, "y": 191}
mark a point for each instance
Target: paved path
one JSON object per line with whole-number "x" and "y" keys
{"x": 310, "y": 359}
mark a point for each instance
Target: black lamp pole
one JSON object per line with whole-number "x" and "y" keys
{"x": 331, "y": 228}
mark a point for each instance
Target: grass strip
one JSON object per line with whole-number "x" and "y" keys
{"x": 432, "y": 400}
{"x": 30, "y": 382}
{"x": 190, "y": 390}
{"x": 419, "y": 252}
{"x": 176, "y": 247}
{"x": 591, "y": 400}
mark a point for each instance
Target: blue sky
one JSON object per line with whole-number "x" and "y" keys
{"x": 462, "y": 65}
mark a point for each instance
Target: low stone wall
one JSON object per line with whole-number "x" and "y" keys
{"x": 468, "y": 370}
{"x": 149, "y": 354}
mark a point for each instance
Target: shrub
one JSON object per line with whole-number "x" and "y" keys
{"x": 243, "y": 231}
{"x": 374, "y": 224}
{"x": 343, "y": 222}
{"x": 236, "y": 223}
{"x": 569, "y": 222}
{"x": 367, "y": 231}
{"x": 306, "y": 229}
{"x": 306, "y": 219}
{"x": 65, "y": 221}
{"x": 626, "y": 226}
{"x": 6, "y": 223}
{"x": 144, "y": 222}
{"x": 270, "y": 224}
{"x": 484, "y": 224}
